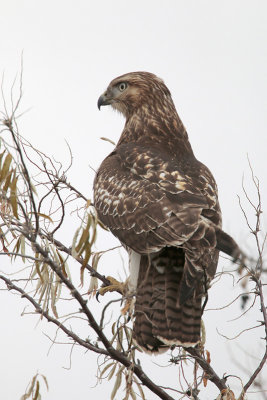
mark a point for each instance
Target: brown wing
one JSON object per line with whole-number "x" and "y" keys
{"x": 149, "y": 202}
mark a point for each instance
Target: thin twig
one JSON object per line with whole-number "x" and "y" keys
{"x": 211, "y": 374}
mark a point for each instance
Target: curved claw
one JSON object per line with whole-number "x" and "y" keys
{"x": 114, "y": 286}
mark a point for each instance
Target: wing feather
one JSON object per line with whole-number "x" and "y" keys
{"x": 142, "y": 191}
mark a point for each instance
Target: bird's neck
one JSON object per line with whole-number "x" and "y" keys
{"x": 153, "y": 127}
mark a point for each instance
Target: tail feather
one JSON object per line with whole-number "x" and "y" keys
{"x": 142, "y": 330}
{"x": 159, "y": 319}
{"x": 168, "y": 306}
{"x": 228, "y": 245}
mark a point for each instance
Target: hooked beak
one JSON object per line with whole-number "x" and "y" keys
{"x": 103, "y": 101}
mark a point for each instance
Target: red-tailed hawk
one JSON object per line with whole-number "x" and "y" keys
{"x": 162, "y": 204}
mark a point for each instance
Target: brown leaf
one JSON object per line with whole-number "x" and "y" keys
{"x": 226, "y": 394}
{"x": 45, "y": 216}
{"x": 106, "y": 368}
{"x": 62, "y": 264}
{"x": 206, "y": 376}
{"x": 85, "y": 261}
{"x": 13, "y": 195}
{"x": 110, "y": 375}
{"x": 84, "y": 237}
{"x": 139, "y": 388}
{"x": 5, "y": 168}
{"x": 36, "y": 395}
{"x": 117, "y": 383}
{"x": 7, "y": 183}
{"x": 1, "y": 157}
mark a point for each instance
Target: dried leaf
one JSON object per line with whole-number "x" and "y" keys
{"x": 45, "y": 381}
{"x": 206, "y": 376}
{"x": 43, "y": 289}
{"x": 110, "y": 375}
{"x": 85, "y": 261}
{"x": 102, "y": 225}
{"x": 5, "y": 168}
{"x": 93, "y": 286}
{"x": 94, "y": 229}
{"x": 3, "y": 240}
{"x": 139, "y": 388}
{"x": 113, "y": 328}
{"x": 119, "y": 339}
{"x": 133, "y": 396}
{"x": 34, "y": 388}
{"x": 33, "y": 188}
{"x": 208, "y": 356}
{"x": 59, "y": 287}
{"x": 84, "y": 237}
{"x": 120, "y": 334}
{"x": 113, "y": 337}
{"x": 54, "y": 309}
{"x": 5, "y": 249}
{"x": 66, "y": 267}
{"x": 226, "y": 394}
{"x": 74, "y": 253}
{"x": 117, "y": 384}
{"x": 38, "y": 266}
{"x": 17, "y": 247}
{"x": 1, "y": 158}
{"x": 118, "y": 346}
{"x": 108, "y": 140}
{"x": 62, "y": 263}
{"x": 87, "y": 254}
{"x": 13, "y": 196}
{"x": 95, "y": 260}
{"x": 54, "y": 299}
{"x": 36, "y": 395}
{"x": 7, "y": 183}
{"x": 128, "y": 332}
{"x": 105, "y": 369}
{"x": 45, "y": 216}
{"x": 30, "y": 390}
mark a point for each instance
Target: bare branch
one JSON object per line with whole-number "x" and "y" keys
{"x": 211, "y": 374}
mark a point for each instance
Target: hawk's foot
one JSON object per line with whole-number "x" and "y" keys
{"x": 115, "y": 286}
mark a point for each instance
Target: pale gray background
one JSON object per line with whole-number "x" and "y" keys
{"x": 213, "y": 57}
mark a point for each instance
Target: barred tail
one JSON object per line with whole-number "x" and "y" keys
{"x": 159, "y": 320}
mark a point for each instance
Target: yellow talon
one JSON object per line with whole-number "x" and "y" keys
{"x": 122, "y": 288}
{"x": 115, "y": 286}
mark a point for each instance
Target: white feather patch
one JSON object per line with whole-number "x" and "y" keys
{"x": 134, "y": 266}
{"x": 177, "y": 342}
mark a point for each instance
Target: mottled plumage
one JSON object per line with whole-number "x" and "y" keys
{"x": 162, "y": 204}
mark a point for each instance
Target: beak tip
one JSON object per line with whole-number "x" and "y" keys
{"x": 99, "y": 102}
{"x": 103, "y": 100}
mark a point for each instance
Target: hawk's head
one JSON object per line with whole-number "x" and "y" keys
{"x": 133, "y": 90}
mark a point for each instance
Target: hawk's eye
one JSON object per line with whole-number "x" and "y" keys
{"x": 122, "y": 86}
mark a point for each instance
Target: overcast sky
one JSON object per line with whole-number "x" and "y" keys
{"x": 213, "y": 57}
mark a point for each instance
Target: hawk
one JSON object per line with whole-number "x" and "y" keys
{"x": 162, "y": 204}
